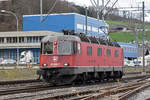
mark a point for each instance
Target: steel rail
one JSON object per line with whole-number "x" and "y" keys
{"x": 18, "y": 82}
{"x": 129, "y": 93}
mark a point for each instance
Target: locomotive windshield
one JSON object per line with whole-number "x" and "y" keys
{"x": 64, "y": 47}
{"x": 48, "y": 48}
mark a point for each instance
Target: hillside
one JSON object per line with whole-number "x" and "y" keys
{"x": 129, "y": 35}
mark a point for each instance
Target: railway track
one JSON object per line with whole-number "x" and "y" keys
{"x": 32, "y": 91}
{"x": 18, "y": 82}
{"x": 121, "y": 92}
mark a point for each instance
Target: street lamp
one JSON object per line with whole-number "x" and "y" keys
{"x": 17, "y": 22}
{"x": 10, "y": 12}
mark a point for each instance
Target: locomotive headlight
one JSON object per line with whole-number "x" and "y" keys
{"x": 66, "y": 64}
{"x": 44, "y": 65}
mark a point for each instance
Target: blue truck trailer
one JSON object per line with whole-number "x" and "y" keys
{"x": 66, "y": 21}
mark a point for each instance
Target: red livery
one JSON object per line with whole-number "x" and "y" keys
{"x": 66, "y": 59}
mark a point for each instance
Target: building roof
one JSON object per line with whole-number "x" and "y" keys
{"x": 27, "y": 33}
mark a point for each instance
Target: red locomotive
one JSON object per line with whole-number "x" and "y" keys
{"x": 66, "y": 59}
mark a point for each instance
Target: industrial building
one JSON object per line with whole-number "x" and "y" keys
{"x": 66, "y": 21}
{"x": 13, "y": 43}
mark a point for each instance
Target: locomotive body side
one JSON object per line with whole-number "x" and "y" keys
{"x": 73, "y": 58}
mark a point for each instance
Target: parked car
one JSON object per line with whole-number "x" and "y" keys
{"x": 129, "y": 63}
{"x": 8, "y": 61}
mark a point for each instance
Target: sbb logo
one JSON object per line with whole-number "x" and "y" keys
{"x": 55, "y": 58}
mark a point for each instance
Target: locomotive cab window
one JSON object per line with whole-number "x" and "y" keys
{"x": 108, "y": 52}
{"x": 89, "y": 51}
{"x": 64, "y": 47}
{"x": 99, "y": 53}
{"x": 48, "y": 48}
{"x": 116, "y": 53}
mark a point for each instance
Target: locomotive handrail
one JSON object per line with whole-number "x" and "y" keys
{"x": 88, "y": 39}
{"x": 98, "y": 41}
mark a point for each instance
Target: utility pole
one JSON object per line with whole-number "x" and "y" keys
{"x": 103, "y": 9}
{"x": 97, "y": 9}
{"x": 86, "y": 20}
{"x": 41, "y": 10}
{"x": 17, "y": 22}
{"x": 137, "y": 44}
{"x": 143, "y": 26}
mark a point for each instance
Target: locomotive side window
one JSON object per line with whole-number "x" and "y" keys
{"x": 64, "y": 47}
{"x": 79, "y": 48}
{"x": 89, "y": 51}
{"x": 99, "y": 52}
{"x": 48, "y": 48}
{"x": 108, "y": 52}
{"x": 116, "y": 53}
{"x": 74, "y": 47}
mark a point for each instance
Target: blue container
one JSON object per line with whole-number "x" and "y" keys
{"x": 66, "y": 21}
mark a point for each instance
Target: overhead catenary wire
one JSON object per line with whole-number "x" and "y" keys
{"x": 49, "y": 11}
{"x": 111, "y": 7}
{"x": 93, "y": 4}
{"x": 105, "y": 6}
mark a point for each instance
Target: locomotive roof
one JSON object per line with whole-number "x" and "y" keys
{"x": 60, "y": 38}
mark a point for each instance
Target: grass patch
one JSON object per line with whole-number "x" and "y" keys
{"x": 116, "y": 22}
{"x": 18, "y": 74}
{"x": 111, "y": 22}
{"x": 122, "y": 36}
{"x": 128, "y": 36}
{"x": 135, "y": 69}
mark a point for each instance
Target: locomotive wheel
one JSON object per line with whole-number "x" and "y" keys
{"x": 60, "y": 79}
{"x": 118, "y": 75}
{"x": 65, "y": 79}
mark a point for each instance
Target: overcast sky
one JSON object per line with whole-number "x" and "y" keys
{"x": 120, "y": 3}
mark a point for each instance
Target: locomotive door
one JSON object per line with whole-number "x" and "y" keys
{"x": 79, "y": 56}
{"x": 104, "y": 57}
{"x": 90, "y": 56}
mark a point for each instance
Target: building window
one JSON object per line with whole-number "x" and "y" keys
{"x": 29, "y": 39}
{"x": 99, "y": 51}
{"x": 108, "y": 52}
{"x": 41, "y": 38}
{"x": 37, "y": 39}
{"x": 14, "y": 39}
{"x": 1, "y": 39}
{"x": 116, "y": 53}
{"x": 21, "y": 39}
{"x": 89, "y": 51}
{"x": 8, "y": 40}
